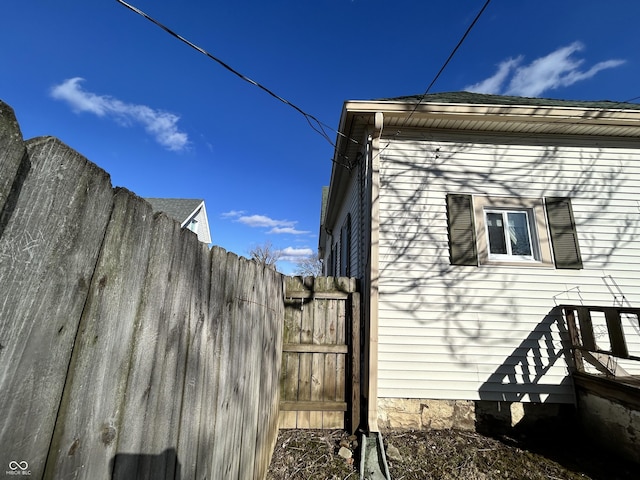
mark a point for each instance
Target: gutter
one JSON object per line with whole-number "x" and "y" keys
{"x": 373, "y": 460}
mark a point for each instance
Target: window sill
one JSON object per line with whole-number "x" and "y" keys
{"x": 527, "y": 264}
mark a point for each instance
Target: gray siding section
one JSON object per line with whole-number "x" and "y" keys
{"x": 492, "y": 332}
{"x": 353, "y": 206}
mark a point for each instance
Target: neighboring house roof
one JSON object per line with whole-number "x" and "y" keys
{"x": 189, "y": 212}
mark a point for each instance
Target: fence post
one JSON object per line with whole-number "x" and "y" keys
{"x": 354, "y": 420}
{"x": 569, "y": 314}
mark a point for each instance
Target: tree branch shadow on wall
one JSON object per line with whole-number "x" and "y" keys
{"x": 126, "y": 466}
{"x": 419, "y": 286}
{"x": 414, "y": 243}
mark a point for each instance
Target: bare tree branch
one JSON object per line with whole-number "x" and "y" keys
{"x": 310, "y": 266}
{"x": 265, "y": 254}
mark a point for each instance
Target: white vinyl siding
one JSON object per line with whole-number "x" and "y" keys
{"x": 491, "y": 332}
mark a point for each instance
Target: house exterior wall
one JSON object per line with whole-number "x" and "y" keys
{"x": 492, "y": 332}
{"x": 201, "y": 225}
{"x": 351, "y": 211}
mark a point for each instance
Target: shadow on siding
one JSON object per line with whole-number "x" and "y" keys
{"x": 519, "y": 379}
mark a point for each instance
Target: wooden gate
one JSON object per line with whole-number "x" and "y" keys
{"x": 320, "y": 382}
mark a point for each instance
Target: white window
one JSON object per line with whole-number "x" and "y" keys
{"x": 511, "y": 235}
{"x": 512, "y": 231}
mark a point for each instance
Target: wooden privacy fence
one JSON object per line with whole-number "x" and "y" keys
{"x": 320, "y": 380}
{"x": 128, "y": 349}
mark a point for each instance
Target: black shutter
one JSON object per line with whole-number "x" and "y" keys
{"x": 562, "y": 228}
{"x": 462, "y": 236}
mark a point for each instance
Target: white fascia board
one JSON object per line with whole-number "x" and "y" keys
{"x": 484, "y": 112}
{"x": 339, "y": 173}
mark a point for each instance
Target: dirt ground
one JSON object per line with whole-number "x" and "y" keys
{"x": 445, "y": 455}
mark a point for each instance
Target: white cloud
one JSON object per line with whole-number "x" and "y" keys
{"x": 264, "y": 221}
{"x": 161, "y": 125}
{"x": 557, "y": 69}
{"x": 493, "y": 83}
{"x": 291, "y": 254}
{"x": 232, "y": 214}
{"x": 289, "y": 230}
{"x": 276, "y": 226}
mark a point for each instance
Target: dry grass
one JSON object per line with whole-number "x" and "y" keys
{"x": 446, "y": 455}
{"x": 312, "y": 454}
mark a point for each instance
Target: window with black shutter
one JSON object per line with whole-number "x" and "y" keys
{"x": 486, "y": 230}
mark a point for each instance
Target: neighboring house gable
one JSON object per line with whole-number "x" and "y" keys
{"x": 190, "y": 213}
{"x": 471, "y": 218}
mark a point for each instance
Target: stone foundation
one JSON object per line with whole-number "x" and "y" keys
{"x": 481, "y": 416}
{"x": 418, "y": 414}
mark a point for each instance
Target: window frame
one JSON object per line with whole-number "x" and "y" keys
{"x": 531, "y": 235}
{"x": 554, "y": 221}
{"x": 537, "y": 225}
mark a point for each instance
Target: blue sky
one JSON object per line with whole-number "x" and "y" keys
{"x": 166, "y": 121}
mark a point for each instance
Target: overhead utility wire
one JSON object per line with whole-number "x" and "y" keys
{"x": 313, "y": 122}
{"x": 451, "y": 55}
{"x": 435, "y": 79}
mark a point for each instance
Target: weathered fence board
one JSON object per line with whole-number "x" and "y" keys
{"x": 195, "y": 398}
{"x": 271, "y": 354}
{"x": 246, "y": 380}
{"x": 49, "y": 244}
{"x": 128, "y": 349}
{"x": 320, "y": 369}
{"x": 87, "y": 428}
{"x": 13, "y": 156}
{"x": 212, "y": 447}
{"x": 140, "y": 406}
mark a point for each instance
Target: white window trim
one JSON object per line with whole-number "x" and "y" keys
{"x": 538, "y": 230}
{"x": 531, "y": 234}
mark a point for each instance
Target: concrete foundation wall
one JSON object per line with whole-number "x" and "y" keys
{"x": 616, "y": 424}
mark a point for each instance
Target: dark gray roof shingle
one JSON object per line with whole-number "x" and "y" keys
{"x": 177, "y": 208}
{"x": 487, "y": 99}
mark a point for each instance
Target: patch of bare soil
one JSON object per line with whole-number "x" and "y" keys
{"x": 314, "y": 454}
{"x": 445, "y": 455}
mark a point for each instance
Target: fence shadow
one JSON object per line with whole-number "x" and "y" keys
{"x": 165, "y": 465}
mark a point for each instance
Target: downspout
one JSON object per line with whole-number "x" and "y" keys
{"x": 373, "y": 272}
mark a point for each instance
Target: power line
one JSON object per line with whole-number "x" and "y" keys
{"x": 451, "y": 55}
{"x": 442, "y": 68}
{"x": 313, "y": 122}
